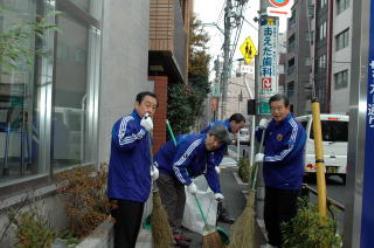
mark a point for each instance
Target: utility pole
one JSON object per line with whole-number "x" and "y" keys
{"x": 226, "y": 56}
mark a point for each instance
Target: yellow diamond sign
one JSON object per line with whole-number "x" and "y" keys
{"x": 248, "y": 50}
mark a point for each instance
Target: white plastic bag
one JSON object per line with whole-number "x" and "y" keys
{"x": 192, "y": 218}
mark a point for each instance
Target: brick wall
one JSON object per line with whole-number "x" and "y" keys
{"x": 159, "y": 131}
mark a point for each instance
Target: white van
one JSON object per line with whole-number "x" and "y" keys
{"x": 335, "y": 142}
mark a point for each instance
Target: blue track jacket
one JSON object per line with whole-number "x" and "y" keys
{"x": 187, "y": 160}
{"x": 129, "y": 167}
{"x": 217, "y": 155}
{"x": 284, "y": 151}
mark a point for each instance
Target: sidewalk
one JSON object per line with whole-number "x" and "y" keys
{"x": 234, "y": 202}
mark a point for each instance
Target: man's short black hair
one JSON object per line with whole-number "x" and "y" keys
{"x": 237, "y": 117}
{"x": 279, "y": 97}
{"x": 140, "y": 96}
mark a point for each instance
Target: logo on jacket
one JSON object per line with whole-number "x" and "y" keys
{"x": 279, "y": 137}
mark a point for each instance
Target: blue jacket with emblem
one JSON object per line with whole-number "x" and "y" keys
{"x": 218, "y": 154}
{"x": 284, "y": 142}
{"x": 187, "y": 160}
{"x": 129, "y": 167}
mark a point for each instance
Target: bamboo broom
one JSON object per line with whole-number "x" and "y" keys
{"x": 243, "y": 230}
{"x": 162, "y": 236}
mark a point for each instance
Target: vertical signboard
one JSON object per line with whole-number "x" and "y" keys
{"x": 268, "y": 61}
{"x": 367, "y": 217}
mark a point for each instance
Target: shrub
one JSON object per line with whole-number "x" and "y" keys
{"x": 244, "y": 169}
{"x": 306, "y": 230}
{"x": 85, "y": 200}
{"x": 33, "y": 231}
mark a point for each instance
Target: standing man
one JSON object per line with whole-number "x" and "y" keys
{"x": 130, "y": 175}
{"x": 283, "y": 166}
{"x": 232, "y": 125}
{"x": 178, "y": 164}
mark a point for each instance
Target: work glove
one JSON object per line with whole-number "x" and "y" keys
{"x": 218, "y": 170}
{"x": 259, "y": 157}
{"x": 192, "y": 189}
{"x": 219, "y": 196}
{"x": 147, "y": 123}
{"x": 154, "y": 173}
{"x": 263, "y": 124}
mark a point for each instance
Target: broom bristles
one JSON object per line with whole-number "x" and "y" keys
{"x": 243, "y": 230}
{"x": 161, "y": 232}
{"x": 212, "y": 240}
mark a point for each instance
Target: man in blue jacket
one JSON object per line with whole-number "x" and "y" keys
{"x": 130, "y": 174}
{"x": 283, "y": 166}
{"x": 232, "y": 125}
{"x": 178, "y": 164}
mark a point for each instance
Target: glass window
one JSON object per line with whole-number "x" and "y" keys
{"x": 342, "y": 40}
{"x": 18, "y": 141}
{"x": 290, "y": 89}
{"x": 322, "y": 61}
{"x": 322, "y": 31}
{"x": 333, "y": 131}
{"x": 341, "y": 79}
{"x": 341, "y": 6}
{"x": 70, "y": 93}
{"x": 92, "y": 7}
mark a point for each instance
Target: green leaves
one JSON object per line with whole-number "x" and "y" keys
{"x": 306, "y": 230}
{"x": 16, "y": 42}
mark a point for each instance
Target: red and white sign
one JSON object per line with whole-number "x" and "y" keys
{"x": 281, "y": 8}
{"x": 266, "y": 83}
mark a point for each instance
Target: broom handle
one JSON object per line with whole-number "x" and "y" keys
{"x": 200, "y": 210}
{"x": 171, "y": 132}
{"x": 261, "y": 149}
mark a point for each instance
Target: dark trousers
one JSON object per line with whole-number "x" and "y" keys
{"x": 128, "y": 217}
{"x": 280, "y": 206}
{"x": 173, "y": 198}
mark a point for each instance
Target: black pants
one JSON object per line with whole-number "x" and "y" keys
{"x": 280, "y": 206}
{"x": 173, "y": 198}
{"x": 128, "y": 216}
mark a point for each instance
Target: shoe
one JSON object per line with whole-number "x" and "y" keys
{"x": 225, "y": 219}
{"x": 180, "y": 242}
{"x": 182, "y": 237}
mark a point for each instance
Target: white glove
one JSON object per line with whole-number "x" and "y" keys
{"x": 218, "y": 170}
{"x": 147, "y": 123}
{"x": 219, "y": 196}
{"x": 259, "y": 158}
{"x": 154, "y": 173}
{"x": 263, "y": 124}
{"x": 192, "y": 189}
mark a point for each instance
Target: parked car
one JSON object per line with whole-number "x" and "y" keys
{"x": 244, "y": 136}
{"x": 335, "y": 143}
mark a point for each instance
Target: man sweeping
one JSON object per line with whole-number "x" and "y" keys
{"x": 130, "y": 174}
{"x": 178, "y": 164}
{"x": 232, "y": 125}
{"x": 283, "y": 166}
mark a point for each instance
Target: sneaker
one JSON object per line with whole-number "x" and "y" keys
{"x": 225, "y": 219}
{"x": 181, "y": 243}
{"x": 182, "y": 237}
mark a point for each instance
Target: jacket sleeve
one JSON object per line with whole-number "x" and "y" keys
{"x": 212, "y": 178}
{"x": 292, "y": 144}
{"x": 182, "y": 159}
{"x": 215, "y": 158}
{"x": 126, "y": 134}
{"x": 206, "y": 130}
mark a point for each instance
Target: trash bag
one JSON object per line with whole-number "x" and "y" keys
{"x": 192, "y": 218}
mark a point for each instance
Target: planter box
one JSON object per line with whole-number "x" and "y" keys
{"x": 101, "y": 237}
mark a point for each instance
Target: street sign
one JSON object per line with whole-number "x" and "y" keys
{"x": 367, "y": 217}
{"x": 248, "y": 50}
{"x": 280, "y": 8}
{"x": 267, "y": 84}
